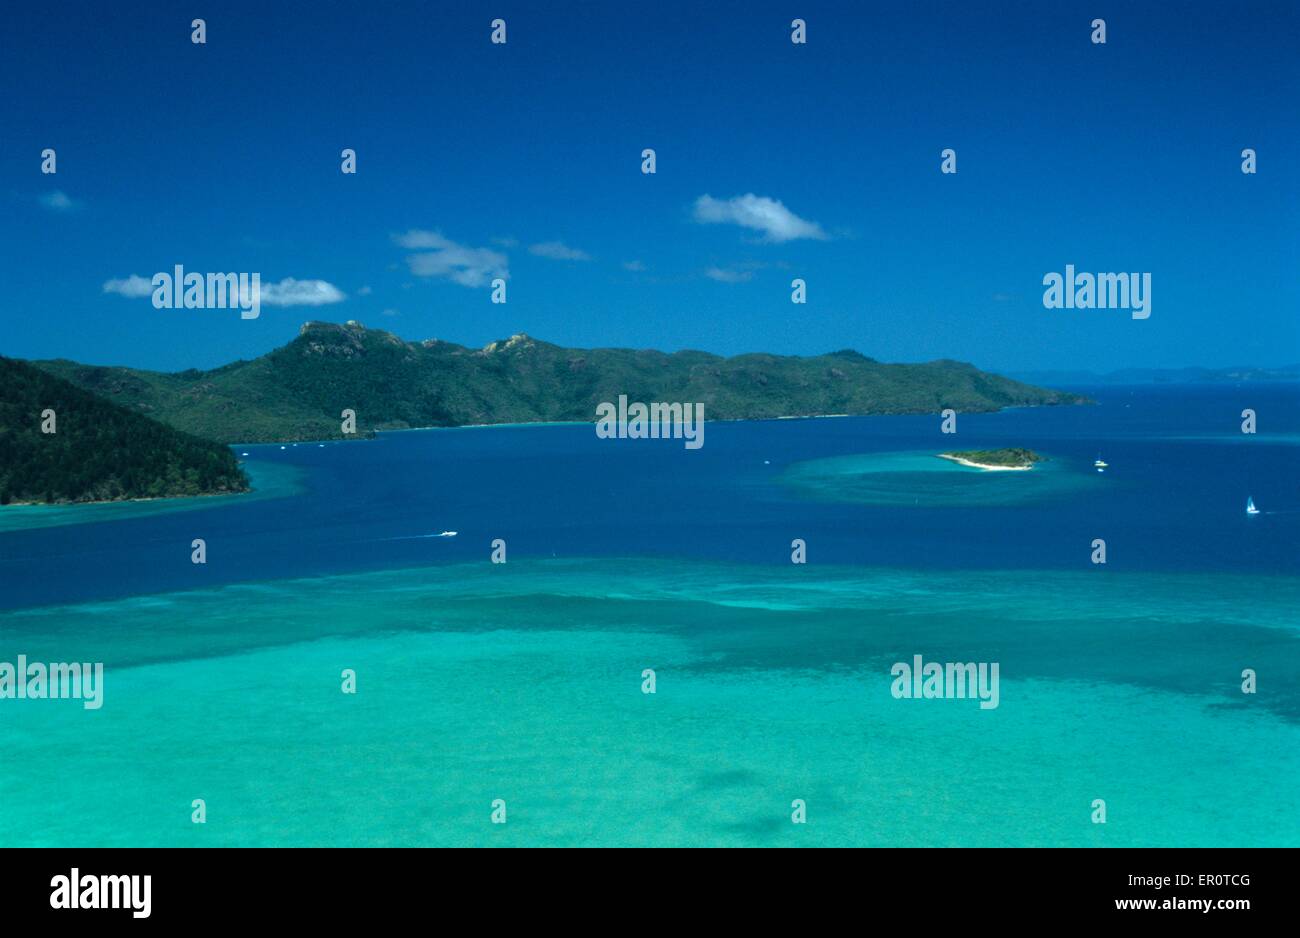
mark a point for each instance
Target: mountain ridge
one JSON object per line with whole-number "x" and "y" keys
{"x": 298, "y": 391}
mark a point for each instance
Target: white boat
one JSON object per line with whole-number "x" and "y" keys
{"x": 1250, "y": 507}
{"x": 1100, "y": 463}
{"x": 447, "y": 534}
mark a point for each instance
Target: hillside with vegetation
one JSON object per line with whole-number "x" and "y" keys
{"x": 99, "y": 451}
{"x": 298, "y": 391}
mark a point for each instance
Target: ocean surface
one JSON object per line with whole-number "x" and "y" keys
{"x": 523, "y": 681}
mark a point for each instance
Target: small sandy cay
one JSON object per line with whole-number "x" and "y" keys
{"x": 996, "y": 460}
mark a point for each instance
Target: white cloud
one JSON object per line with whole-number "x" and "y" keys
{"x": 442, "y": 257}
{"x": 364, "y": 291}
{"x": 757, "y": 212}
{"x": 288, "y": 292}
{"x": 390, "y": 312}
{"x": 133, "y": 286}
{"x": 634, "y": 266}
{"x": 59, "y": 201}
{"x": 291, "y": 292}
{"x": 723, "y": 275}
{"x": 558, "y": 251}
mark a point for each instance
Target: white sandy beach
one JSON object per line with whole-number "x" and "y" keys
{"x": 976, "y": 465}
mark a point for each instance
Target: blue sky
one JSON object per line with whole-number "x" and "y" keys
{"x": 475, "y": 159}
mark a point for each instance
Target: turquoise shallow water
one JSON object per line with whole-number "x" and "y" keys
{"x": 922, "y": 479}
{"x": 523, "y": 682}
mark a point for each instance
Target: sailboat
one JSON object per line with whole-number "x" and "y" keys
{"x": 1250, "y": 507}
{"x": 1100, "y": 463}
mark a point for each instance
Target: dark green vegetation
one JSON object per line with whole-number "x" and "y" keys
{"x": 99, "y": 451}
{"x": 1000, "y": 457}
{"x": 298, "y": 392}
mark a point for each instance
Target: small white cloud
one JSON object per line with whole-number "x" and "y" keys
{"x": 442, "y": 257}
{"x": 722, "y": 275}
{"x": 291, "y": 292}
{"x": 390, "y": 312}
{"x": 506, "y": 242}
{"x": 759, "y": 213}
{"x": 59, "y": 201}
{"x": 288, "y": 292}
{"x": 635, "y": 266}
{"x": 558, "y": 251}
{"x": 364, "y": 291}
{"x": 133, "y": 286}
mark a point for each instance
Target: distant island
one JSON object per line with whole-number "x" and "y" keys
{"x": 97, "y": 451}
{"x": 298, "y": 392}
{"x": 1130, "y": 376}
{"x": 995, "y": 459}
{"x": 125, "y": 433}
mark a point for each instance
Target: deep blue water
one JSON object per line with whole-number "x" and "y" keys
{"x": 1172, "y": 500}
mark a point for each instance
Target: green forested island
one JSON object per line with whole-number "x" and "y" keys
{"x": 98, "y": 451}
{"x": 298, "y": 391}
{"x": 1011, "y": 458}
